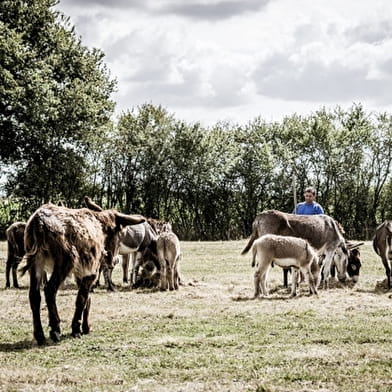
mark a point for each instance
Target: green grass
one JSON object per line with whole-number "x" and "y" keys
{"x": 208, "y": 336}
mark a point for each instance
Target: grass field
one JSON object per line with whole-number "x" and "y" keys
{"x": 208, "y": 336}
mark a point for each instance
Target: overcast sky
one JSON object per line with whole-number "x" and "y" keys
{"x": 217, "y": 60}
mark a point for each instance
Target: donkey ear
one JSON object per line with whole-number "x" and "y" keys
{"x": 91, "y": 205}
{"x": 351, "y": 245}
{"x": 125, "y": 220}
{"x": 388, "y": 226}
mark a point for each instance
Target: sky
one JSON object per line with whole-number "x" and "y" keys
{"x": 212, "y": 61}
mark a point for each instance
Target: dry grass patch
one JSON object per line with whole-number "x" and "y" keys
{"x": 207, "y": 336}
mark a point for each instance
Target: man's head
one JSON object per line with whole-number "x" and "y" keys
{"x": 310, "y": 194}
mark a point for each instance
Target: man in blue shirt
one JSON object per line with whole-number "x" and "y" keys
{"x": 309, "y": 206}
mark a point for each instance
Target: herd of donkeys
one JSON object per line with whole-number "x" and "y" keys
{"x": 87, "y": 241}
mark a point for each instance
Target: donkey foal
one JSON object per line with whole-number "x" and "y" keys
{"x": 287, "y": 252}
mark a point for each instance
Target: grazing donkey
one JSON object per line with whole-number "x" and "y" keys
{"x": 321, "y": 231}
{"x": 132, "y": 240}
{"x": 353, "y": 263}
{"x": 137, "y": 242}
{"x": 15, "y": 244}
{"x": 382, "y": 245}
{"x": 63, "y": 241}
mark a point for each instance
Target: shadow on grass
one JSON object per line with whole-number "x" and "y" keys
{"x": 241, "y": 298}
{"x": 20, "y": 288}
{"x": 125, "y": 289}
{"x": 68, "y": 287}
{"x": 18, "y": 346}
{"x": 71, "y": 289}
{"x": 25, "y": 345}
{"x": 377, "y": 290}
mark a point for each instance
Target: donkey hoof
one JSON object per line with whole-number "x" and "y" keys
{"x": 41, "y": 341}
{"x": 55, "y": 336}
{"x": 39, "y": 337}
{"x": 76, "y": 335}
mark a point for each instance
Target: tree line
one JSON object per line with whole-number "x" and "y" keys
{"x": 59, "y": 142}
{"x": 211, "y": 182}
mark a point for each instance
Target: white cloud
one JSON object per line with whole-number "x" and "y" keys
{"x": 237, "y": 59}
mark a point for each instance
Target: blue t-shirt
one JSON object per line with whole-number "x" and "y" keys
{"x": 308, "y": 209}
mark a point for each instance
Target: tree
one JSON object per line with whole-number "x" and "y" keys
{"x": 255, "y": 168}
{"x": 54, "y": 101}
{"x": 378, "y": 167}
{"x": 135, "y": 177}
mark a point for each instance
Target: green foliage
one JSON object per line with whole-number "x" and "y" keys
{"x": 211, "y": 182}
{"x": 11, "y": 210}
{"x": 54, "y": 101}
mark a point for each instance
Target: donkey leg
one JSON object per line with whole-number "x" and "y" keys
{"x": 107, "y": 275}
{"x": 125, "y": 266}
{"x": 50, "y": 290}
{"x": 133, "y": 268}
{"x": 9, "y": 265}
{"x": 389, "y": 281}
{"x": 263, "y": 283}
{"x": 35, "y": 305}
{"x": 176, "y": 276}
{"x": 163, "y": 277}
{"x": 257, "y": 283}
{"x": 86, "y": 311}
{"x": 97, "y": 283}
{"x": 136, "y": 268}
{"x": 15, "y": 274}
{"x": 294, "y": 282}
{"x": 260, "y": 277}
{"x": 327, "y": 269}
{"x": 312, "y": 282}
{"x": 285, "y": 277}
{"x": 170, "y": 276}
{"x": 308, "y": 274}
{"x": 137, "y": 260}
{"x": 387, "y": 267}
{"x": 81, "y": 302}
